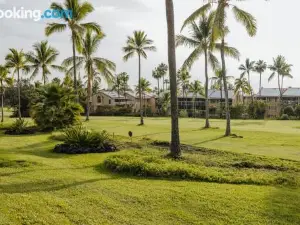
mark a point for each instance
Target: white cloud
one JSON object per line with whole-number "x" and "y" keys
{"x": 2, "y": 1}
{"x": 105, "y": 9}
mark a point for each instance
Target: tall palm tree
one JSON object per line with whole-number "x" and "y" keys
{"x": 260, "y": 67}
{"x": 162, "y": 70}
{"x": 196, "y": 88}
{"x": 138, "y": 45}
{"x": 156, "y": 75}
{"x": 75, "y": 24}
{"x": 246, "y": 69}
{"x": 281, "y": 68}
{"x": 5, "y": 81}
{"x": 42, "y": 58}
{"x": 16, "y": 60}
{"x": 175, "y": 139}
{"x": 93, "y": 65}
{"x": 117, "y": 85}
{"x": 220, "y": 30}
{"x": 145, "y": 87}
{"x": 124, "y": 77}
{"x": 184, "y": 77}
{"x": 241, "y": 84}
{"x": 202, "y": 43}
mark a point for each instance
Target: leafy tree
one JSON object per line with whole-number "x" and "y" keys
{"x": 94, "y": 66}
{"x": 197, "y": 89}
{"x": 56, "y": 80}
{"x": 5, "y": 81}
{"x": 184, "y": 77}
{"x": 246, "y": 69}
{"x": 220, "y": 29}
{"x": 79, "y": 12}
{"x": 260, "y": 67}
{"x": 54, "y": 107}
{"x": 241, "y": 84}
{"x": 43, "y": 57}
{"x": 17, "y": 61}
{"x": 202, "y": 42}
{"x": 175, "y": 139}
{"x": 138, "y": 45}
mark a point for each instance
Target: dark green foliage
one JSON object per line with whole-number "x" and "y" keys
{"x": 297, "y": 111}
{"x": 183, "y": 113}
{"x": 257, "y": 109}
{"x": 79, "y": 140}
{"x": 284, "y": 117}
{"x": 54, "y": 107}
{"x": 113, "y": 111}
{"x": 289, "y": 111}
{"x": 237, "y": 111}
{"x": 20, "y": 126}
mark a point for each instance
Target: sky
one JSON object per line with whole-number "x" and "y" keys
{"x": 278, "y": 34}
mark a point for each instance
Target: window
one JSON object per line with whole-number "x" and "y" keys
{"x": 109, "y": 101}
{"x": 99, "y": 100}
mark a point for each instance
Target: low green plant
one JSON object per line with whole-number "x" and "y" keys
{"x": 257, "y": 109}
{"x": 297, "y": 111}
{"x": 183, "y": 113}
{"x": 289, "y": 111}
{"x": 237, "y": 111}
{"x": 284, "y": 117}
{"x": 19, "y": 126}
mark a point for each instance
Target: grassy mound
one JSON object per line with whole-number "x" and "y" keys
{"x": 207, "y": 165}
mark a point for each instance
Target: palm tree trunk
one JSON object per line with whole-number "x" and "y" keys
{"x": 158, "y": 87}
{"x": 206, "y": 93}
{"x": 175, "y": 139}
{"x": 2, "y": 100}
{"x": 221, "y": 93}
{"x": 140, "y": 94}
{"x": 228, "y": 128}
{"x": 88, "y": 99}
{"x": 19, "y": 95}
{"x": 259, "y": 83}
{"x": 74, "y": 68}
{"x": 44, "y": 78}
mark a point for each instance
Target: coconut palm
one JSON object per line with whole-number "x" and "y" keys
{"x": 220, "y": 30}
{"x": 162, "y": 70}
{"x": 124, "y": 77}
{"x": 43, "y": 57}
{"x": 202, "y": 43}
{"x": 175, "y": 139}
{"x": 281, "y": 68}
{"x": 5, "y": 81}
{"x": 138, "y": 45}
{"x": 16, "y": 60}
{"x": 117, "y": 84}
{"x": 94, "y": 66}
{"x": 75, "y": 24}
{"x": 260, "y": 67}
{"x": 184, "y": 77}
{"x": 165, "y": 100}
{"x": 156, "y": 75}
{"x": 246, "y": 68}
{"x": 243, "y": 86}
{"x": 145, "y": 87}
{"x": 197, "y": 89}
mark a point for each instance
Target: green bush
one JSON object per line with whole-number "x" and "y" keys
{"x": 19, "y": 126}
{"x": 288, "y": 110}
{"x": 257, "y": 109}
{"x": 183, "y": 113}
{"x": 237, "y": 111}
{"x": 297, "y": 111}
{"x": 113, "y": 111}
{"x": 284, "y": 117}
{"x": 55, "y": 107}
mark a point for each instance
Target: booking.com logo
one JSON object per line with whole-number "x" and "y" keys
{"x": 36, "y": 15}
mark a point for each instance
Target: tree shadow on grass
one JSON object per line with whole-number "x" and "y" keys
{"x": 210, "y": 140}
{"x": 283, "y": 205}
{"x": 43, "y": 186}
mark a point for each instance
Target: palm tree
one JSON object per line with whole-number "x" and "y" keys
{"x": 17, "y": 61}
{"x": 94, "y": 66}
{"x": 117, "y": 84}
{"x": 4, "y": 81}
{"x": 144, "y": 86}
{"x": 260, "y": 68}
{"x": 220, "y": 30}
{"x": 138, "y": 44}
{"x": 79, "y": 12}
{"x": 156, "y": 75}
{"x": 202, "y": 43}
{"x": 184, "y": 77}
{"x": 175, "y": 139}
{"x": 196, "y": 88}
{"x": 241, "y": 84}
{"x": 165, "y": 100}
{"x": 246, "y": 69}
{"x": 281, "y": 68}
{"x": 124, "y": 77}
{"x": 42, "y": 58}
{"x": 162, "y": 71}
{"x": 167, "y": 82}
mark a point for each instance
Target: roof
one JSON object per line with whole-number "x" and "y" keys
{"x": 274, "y": 92}
{"x": 292, "y": 92}
{"x": 146, "y": 95}
{"x": 112, "y": 94}
{"x": 216, "y": 94}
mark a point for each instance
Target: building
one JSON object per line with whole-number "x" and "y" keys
{"x": 148, "y": 101}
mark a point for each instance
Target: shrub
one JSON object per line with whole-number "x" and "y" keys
{"x": 113, "y": 111}
{"x": 183, "y": 113}
{"x": 237, "y": 111}
{"x": 284, "y": 117}
{"x": 54, "y": 107}
{"x": 288, "y": 110}
{"x": 79, "y": 139}
{"x": 20, "y": 126}
{"x": 257, "y": 109}
{"x": 297, "y": 111}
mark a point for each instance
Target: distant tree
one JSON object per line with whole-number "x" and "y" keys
{"x": 246, "y": 70}
{"x": 117, "y": 84}
{"x": 145, "y": 87}
{"x": 56, "y": 80}
{"x": 162, "y": 71}
{"x": 124, "y": 77}
{"x": 156, "y": 75}
{"x": 260, "y": 67}
{"x": 184, "y": 82}
{"x": 197, "y": 89}
{"x": 241, "y": 84}
{"x": 5, "y": 81}
{"x": 138, "y": 45}
{"x": 96, "y": 87}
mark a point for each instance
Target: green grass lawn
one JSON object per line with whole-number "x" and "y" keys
{"x": 41, "y": 187}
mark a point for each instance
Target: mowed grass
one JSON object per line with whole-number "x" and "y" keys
{"x": 38, "y": 186}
